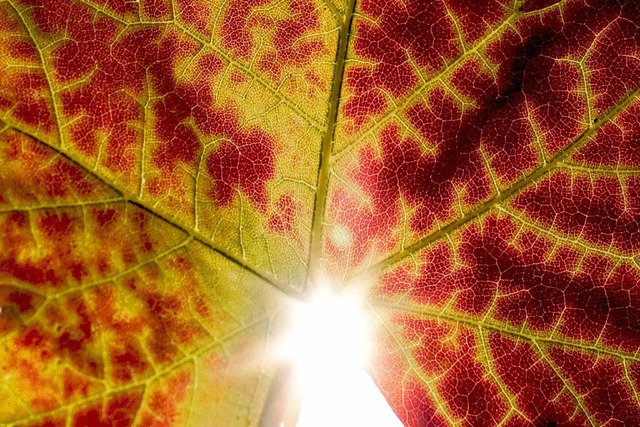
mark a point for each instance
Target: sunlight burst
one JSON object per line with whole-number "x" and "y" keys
{"x": 330, "y": 346}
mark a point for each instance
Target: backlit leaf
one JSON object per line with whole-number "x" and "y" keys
{"x": 174, "y": 172}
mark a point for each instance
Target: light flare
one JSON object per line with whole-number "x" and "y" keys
{"x": 330, "y": 345}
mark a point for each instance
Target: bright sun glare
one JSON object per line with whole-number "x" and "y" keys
{"x": 330, "y": 345}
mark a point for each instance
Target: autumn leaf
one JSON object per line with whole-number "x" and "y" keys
{"x": 173, "y": 173}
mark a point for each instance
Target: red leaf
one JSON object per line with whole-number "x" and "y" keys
{"x": 174, "y": 173}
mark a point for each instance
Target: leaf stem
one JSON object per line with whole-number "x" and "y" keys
{"x": 322, "y": 187}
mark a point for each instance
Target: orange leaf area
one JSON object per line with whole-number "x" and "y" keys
{"x": 174, "y": 173}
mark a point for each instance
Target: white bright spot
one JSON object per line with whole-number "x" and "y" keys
{"x": 341, "y": 236}
{"x": 348, "y": 401}
{"x": 330, "y": 345}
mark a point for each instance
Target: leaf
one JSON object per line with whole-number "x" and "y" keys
{"x": 173, "y": 172}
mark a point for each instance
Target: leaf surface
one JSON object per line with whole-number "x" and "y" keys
{"x": 174, "y": 172}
